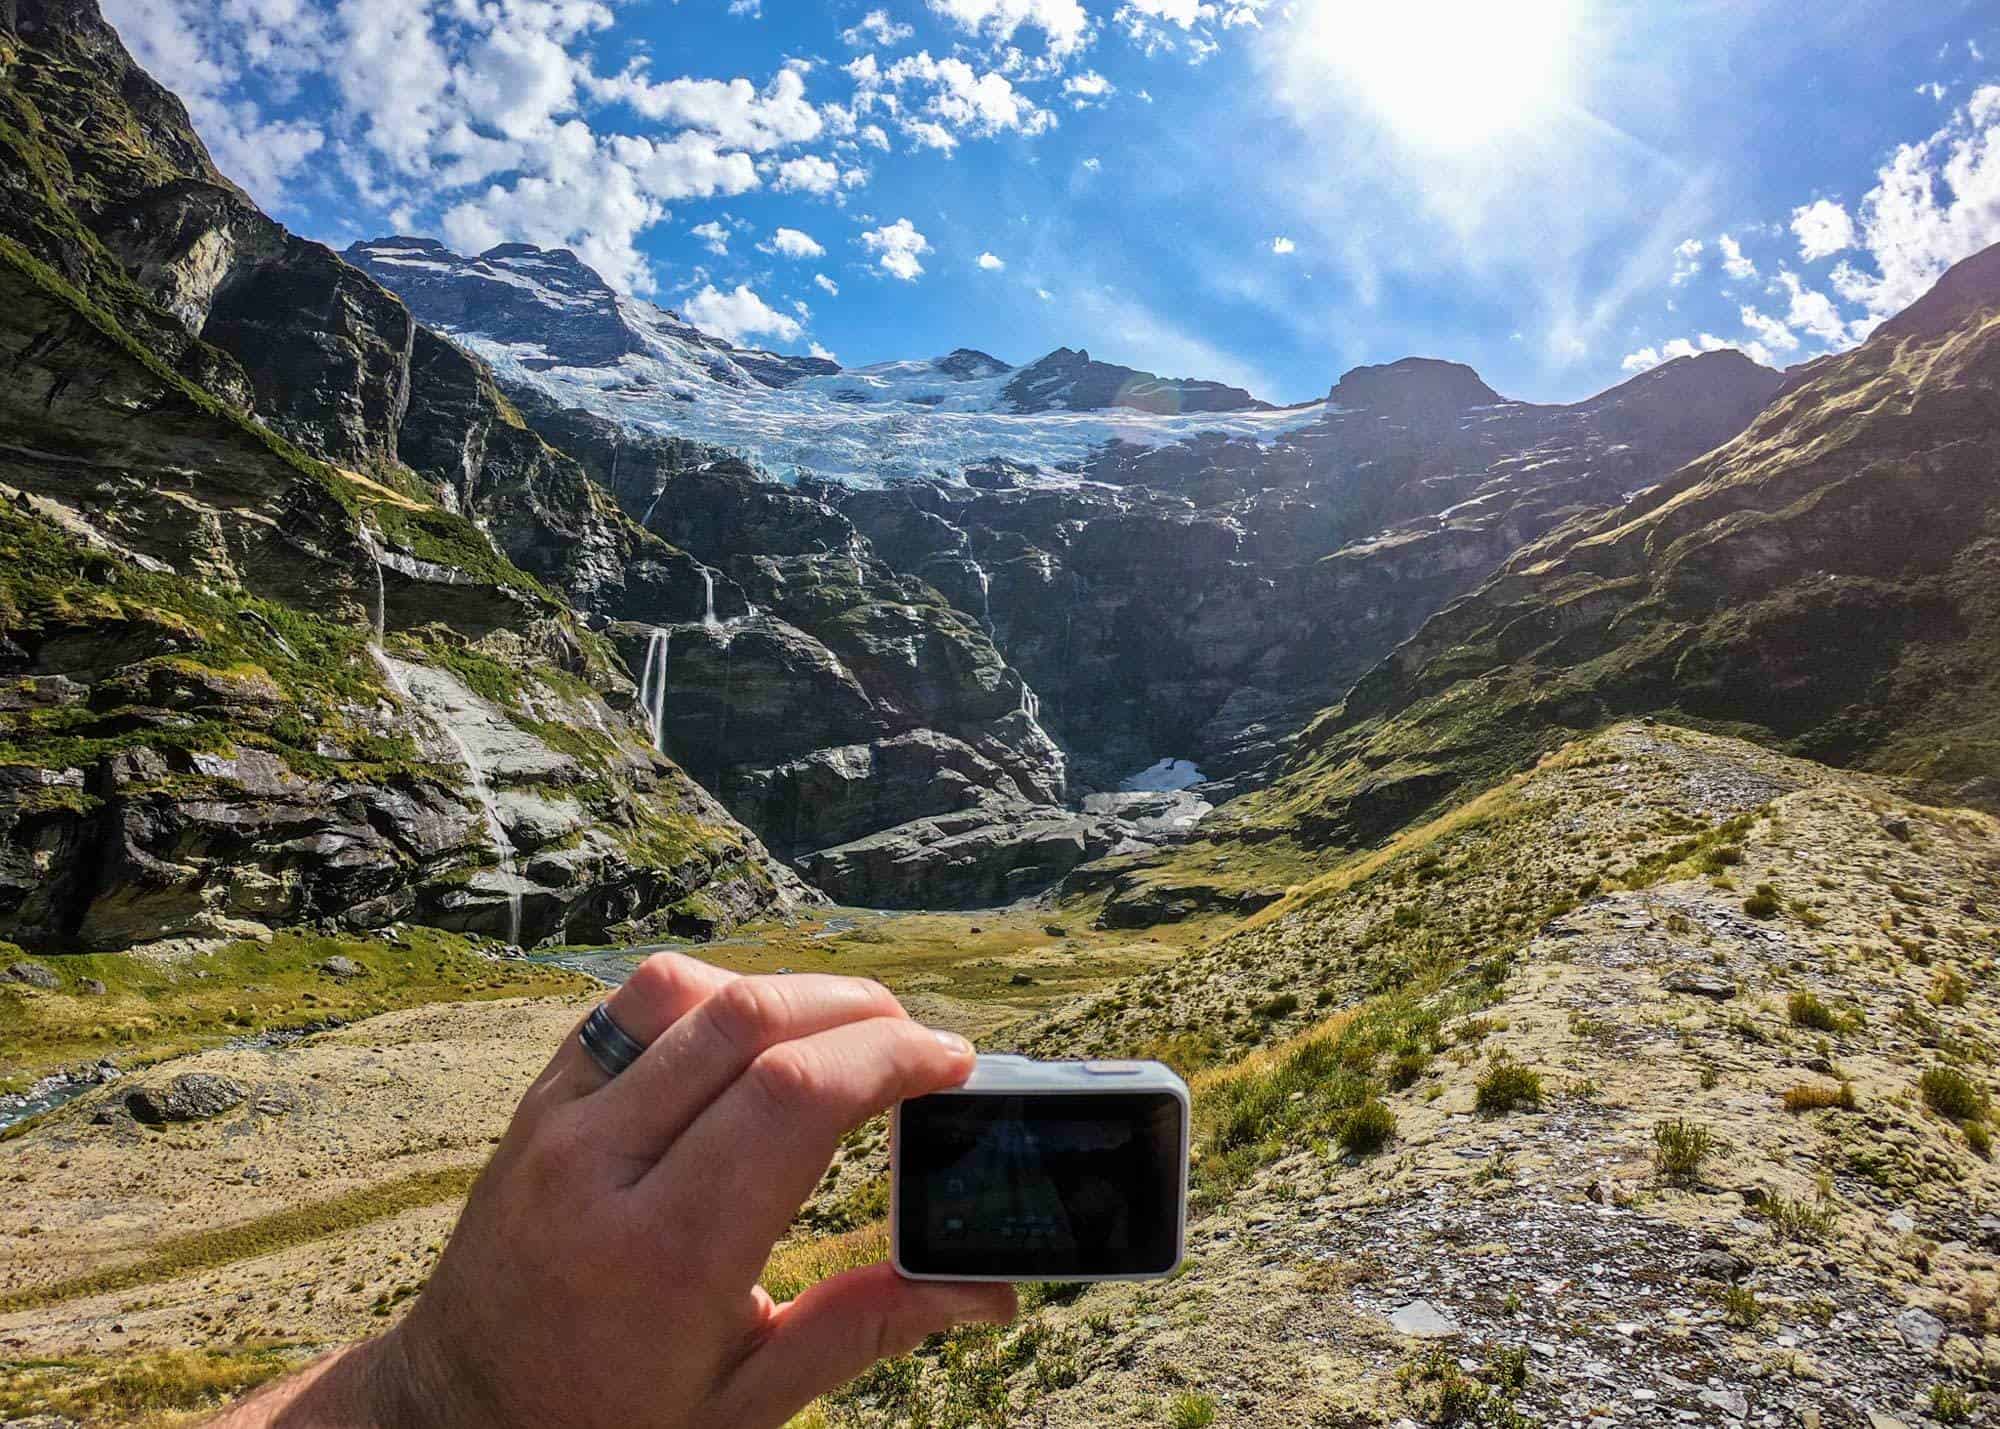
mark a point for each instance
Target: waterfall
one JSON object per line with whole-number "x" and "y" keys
{"x": 985, "y": 596}
{"x": 647, "y": 519}
{"x": 496, "y": 832}
{"x": 379, "y": 616}
{"x": 1031, "y": 704}
{"x": 708, "y": 599}
{"x": 653, "y": 687}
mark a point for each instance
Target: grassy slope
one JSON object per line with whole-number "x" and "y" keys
{"x": 154, "y": 1008}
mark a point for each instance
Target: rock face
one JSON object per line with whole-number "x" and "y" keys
{"x": 1068, "y": 380}
{"x": 1209, "y": 598}
{"x": 1828, "y": 578}
{"x": 262, "y": 669}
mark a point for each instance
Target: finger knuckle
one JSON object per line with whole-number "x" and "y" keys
{"x": 658, "y": 978}
{"x": 749, "y": 1012}
{"x": 789, "y": 1077}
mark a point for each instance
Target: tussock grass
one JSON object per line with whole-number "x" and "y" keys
{"x": 797, "y": 1266}
{"x": 178, "y": 1256}
{"x": 1953, "y": 1095}
{"x": 1680, "y": 1148}
{"x": 140, "y": 1388}
{"x": 1811, "y": 1096}
{"x": 1505, "y": 1086}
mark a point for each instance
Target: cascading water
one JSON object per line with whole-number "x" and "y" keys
{"x": 985, "y": 596}
{"x": 708, "y": 599}
{"x": 495, "y": 830}
{"x": 378, "y": 617}
{"x": 653, "y": 687}
{"x": 503, "y": 846}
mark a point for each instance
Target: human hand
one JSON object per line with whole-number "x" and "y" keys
{"x": 605, "y": 1269}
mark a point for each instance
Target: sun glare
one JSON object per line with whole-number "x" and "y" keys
{"x": 1445, "y": 74}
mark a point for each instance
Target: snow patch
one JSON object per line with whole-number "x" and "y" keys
{"x": 1169, "y": 776}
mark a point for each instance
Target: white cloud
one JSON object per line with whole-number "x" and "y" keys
{"x": 1163, "y": 26}
{"x": 791, "y": 243}
{"x": 204, "y": 53}
{"x": 739, "y": 315}
{"x": 714, "y": 236}
{"x": 482, "y": 120}
{"x": 991, "y": 263}
{"x": 1687, "y": 262}
{"x": 823, "y": 353}
{"x": 899, "y": 246}
{"x": 808, "y": 173}
{"x": 1936, "y": 90}
{"x": 826, "y": 285}
{"x": 1647, "y": 358}
{"x": 1064, "y": 25}
{"x": 1813, "y": 312}
{"x": 1770, "y": 331}
{"x": 1283, "y": 246}
{"x": 1934, "y": 203}
{"x": 1733, "y": 262}
{"x": 1093, "y": 163}
{"x": 957, "y": 100}
{"x": 735, "y": 111}
{"x": 1823, "y": 229}
{"x": 876, "y": 28}
{"x": 1087, "y": 88}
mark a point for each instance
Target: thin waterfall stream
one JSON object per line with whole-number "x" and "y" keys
{"x": 482, "y": 792}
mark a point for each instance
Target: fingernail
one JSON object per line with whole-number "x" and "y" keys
{"x": 952, "y": 1042}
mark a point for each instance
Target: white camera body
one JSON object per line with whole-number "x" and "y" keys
{"x": 1069, "y": 1171}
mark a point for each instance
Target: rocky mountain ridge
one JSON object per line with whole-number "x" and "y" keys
{"x": 264, "y": 674}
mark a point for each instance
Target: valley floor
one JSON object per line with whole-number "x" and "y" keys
{"x": 1650, "y": 1087}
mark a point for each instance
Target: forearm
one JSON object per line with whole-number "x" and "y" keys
{"x": 364, "y": 1386}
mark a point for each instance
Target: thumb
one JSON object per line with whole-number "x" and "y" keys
{"x": 840, "y": 1327}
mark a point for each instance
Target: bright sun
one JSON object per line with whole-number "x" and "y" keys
{"x": 1445, "y": 74}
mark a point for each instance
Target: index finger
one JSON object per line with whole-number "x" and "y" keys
{"x": 762, "y": 1146}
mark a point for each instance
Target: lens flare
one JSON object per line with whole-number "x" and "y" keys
{"x": 1452, "y": 75}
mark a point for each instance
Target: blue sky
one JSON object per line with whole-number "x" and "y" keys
{"x": 1267, "y": 192}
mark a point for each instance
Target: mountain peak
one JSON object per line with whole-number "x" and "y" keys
{"x": 1415, "y": 384}
{"x": 970, "y": 362}
{"x": 1968, "y": 287}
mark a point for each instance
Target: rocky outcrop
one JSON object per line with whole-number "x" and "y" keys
{"x": 1827, "y": 578}
{"x": 260, "y": 671}
{"x": 1069, "y": 380}
{"x": 1212, "y": 597}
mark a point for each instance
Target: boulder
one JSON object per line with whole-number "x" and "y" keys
{"x": 33, "y": 975}
{"x": 192, "y": 1096}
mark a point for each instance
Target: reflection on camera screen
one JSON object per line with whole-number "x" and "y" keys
{"x": 1048, "y": 1184}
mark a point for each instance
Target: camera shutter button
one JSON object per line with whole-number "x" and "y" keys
{"x": 1112, "y": 1069}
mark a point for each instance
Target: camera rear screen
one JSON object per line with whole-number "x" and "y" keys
{"x": 1040, "y": 1186}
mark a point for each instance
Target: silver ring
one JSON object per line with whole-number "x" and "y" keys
{"x": 609, "y": 1045}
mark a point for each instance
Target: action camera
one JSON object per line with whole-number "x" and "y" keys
{"x": 1042, "y": 1171}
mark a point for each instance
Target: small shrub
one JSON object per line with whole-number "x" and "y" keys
{"x": 1806, "y": 1010}
{"x": 1809, "y": 1096}
{"x": 1979, "y": 1139}
{"x": 1679, "y": 1149}
{"x": 1953, "y": 1095}
{"x": 1949, "y": 989}
{"x": 1740, "y": 1307}
{"x": 1764, "y": 903}
{"x": 1507, "y": 1085}
{"x": 1724, "y": 856}
{"x": 1799, "y": 1220}
{"x": 1190, "y": 1410}
{"x": 1950, "y": 1404}
{"x": 1271, "y": 1009}
{"x": 1407, "y": 1068}
{"x": 1368, "y": 1128}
